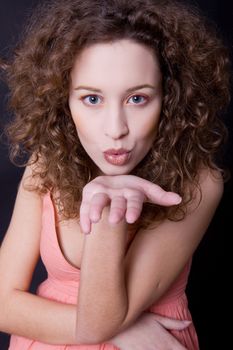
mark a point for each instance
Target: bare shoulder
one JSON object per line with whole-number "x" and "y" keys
{"x": 159, "y": 253}
{"x": 20, "y": 247}
{"x": 26, "y": 189}
{"x": 212, "y": 186}
{"x": 28, "y": 201}
{"x": 29, "y": 181}
{"x": 212, "y": 180}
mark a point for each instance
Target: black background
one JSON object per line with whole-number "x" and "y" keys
{"x": 208, "y": 287}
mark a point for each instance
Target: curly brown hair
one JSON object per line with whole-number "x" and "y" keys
{"x": 195, "y": 69}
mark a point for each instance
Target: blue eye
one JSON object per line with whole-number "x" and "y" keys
{"x": 137, "y": 99}
{"x": 91, "y": 99}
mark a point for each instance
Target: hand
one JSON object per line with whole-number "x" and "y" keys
{"x": 125, "y": 194}
{"x": 150, "y": 332}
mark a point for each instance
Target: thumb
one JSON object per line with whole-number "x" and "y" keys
{"x": 171, "y": 323}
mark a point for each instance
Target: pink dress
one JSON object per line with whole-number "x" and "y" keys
{"x": 63, "y": 282}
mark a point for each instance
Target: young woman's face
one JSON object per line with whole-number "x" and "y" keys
{"x": 115, "y": 101}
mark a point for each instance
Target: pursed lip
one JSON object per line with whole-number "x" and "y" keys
{"x": 118, "y": 157}
{"x": 118, "y": 151}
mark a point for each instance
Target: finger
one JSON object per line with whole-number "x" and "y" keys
{"x": 117, "y": 209}
{"x": 154, "y": 193}
{"x": 167, "y": 340}
{"x": 174, "y": 343}
{"x": 157, "y": 195}
{"x": 134, "y": 207}
{"x": 97, "y": 204}
{"x": 171, "y": 323}
{"x": 85, "y": 222}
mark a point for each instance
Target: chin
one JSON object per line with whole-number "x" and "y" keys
{"x": 115, "y": 171}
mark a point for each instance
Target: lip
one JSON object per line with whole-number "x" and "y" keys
{"x": 117, "y": 156}
{"x": 116, "y": 151}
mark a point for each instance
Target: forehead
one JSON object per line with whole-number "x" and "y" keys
{"x": 121, "y": 60}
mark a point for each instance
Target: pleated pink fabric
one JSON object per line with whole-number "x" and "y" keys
{"x": 63, "y": 282}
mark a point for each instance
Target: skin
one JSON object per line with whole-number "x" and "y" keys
{"x": 156, "y": 257}
{"x": 124, "y": 114}
{"x": 135, "y": 279}
{"x": 115, "y": 198}
{"x": 121, "y": 114}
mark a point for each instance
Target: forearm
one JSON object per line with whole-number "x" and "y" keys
{"x": 37, "y": 318}
{"x": 102, "y": 302}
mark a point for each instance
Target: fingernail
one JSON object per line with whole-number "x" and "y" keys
{"x": 187, "y": 323}
{"x": 173, "y": 197}
{"x": 177, "y": 198}
{"x": 95, "y": 218}
{"x": 86, "y": 230}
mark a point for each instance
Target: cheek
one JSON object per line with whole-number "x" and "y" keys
{"x": 87, "y": 133}
{"x": 79, "y": 122}
{"x": 85, "y": 129}
{"x": 149, "y": 120}
{"x": 76, "y": 114}
{"x": 148, "y": 128}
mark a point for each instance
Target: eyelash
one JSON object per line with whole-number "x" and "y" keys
{"x": 145, "y": 99}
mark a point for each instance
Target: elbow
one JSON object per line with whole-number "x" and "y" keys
{"x": 96, "y": 325}
{"x": 97, "y": 332}
{"x": 90, "y": 337}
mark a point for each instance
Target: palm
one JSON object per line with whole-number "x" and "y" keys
{"x": 124, "y": 195}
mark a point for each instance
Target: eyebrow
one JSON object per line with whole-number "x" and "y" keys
{"x": 134, "y": 88}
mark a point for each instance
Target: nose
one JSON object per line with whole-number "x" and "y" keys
{"x": 115, "y": 125}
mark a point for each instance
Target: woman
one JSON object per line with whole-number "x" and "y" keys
{"x": 112, "y": 100}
